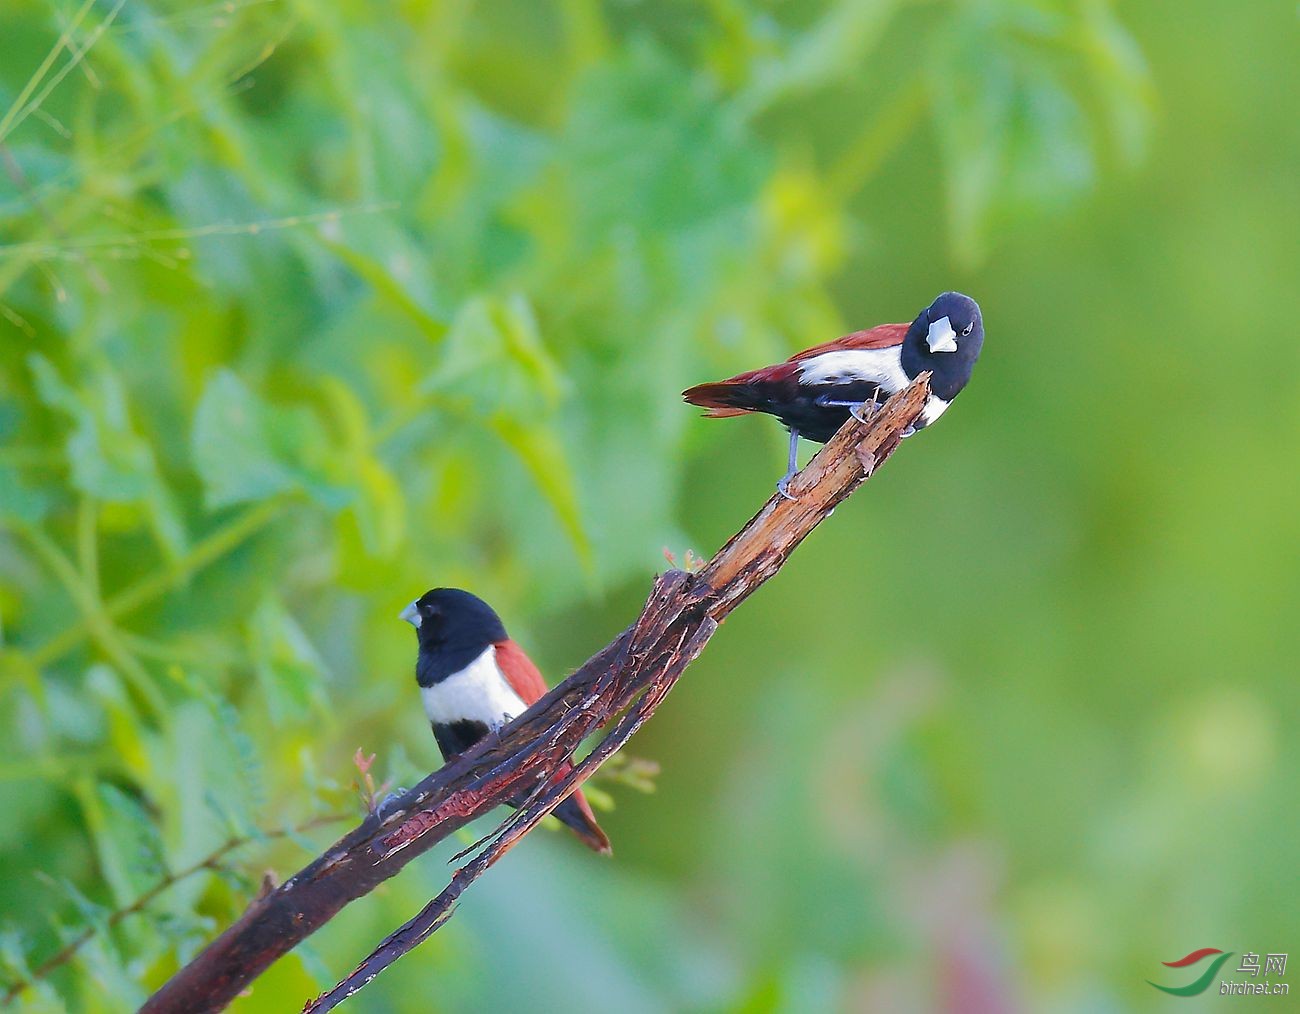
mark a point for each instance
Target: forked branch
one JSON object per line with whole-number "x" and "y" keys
{"x": 622, "y": 684}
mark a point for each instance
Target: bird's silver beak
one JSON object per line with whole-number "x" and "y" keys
{"x": 411, "y": 614}
{"x": 942, "y": 338}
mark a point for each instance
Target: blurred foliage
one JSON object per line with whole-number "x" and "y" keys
{"x": 308, "y": 306}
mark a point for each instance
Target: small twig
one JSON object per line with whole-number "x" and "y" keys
{"x": 370, "y": 793}
{"x": 210, "y": 862}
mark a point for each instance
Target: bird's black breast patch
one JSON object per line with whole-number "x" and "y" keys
{"x": 454, "y": 738}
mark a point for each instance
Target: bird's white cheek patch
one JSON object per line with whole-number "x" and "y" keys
{"x": 934, "y": 407}
{"x": 478, "y": 693}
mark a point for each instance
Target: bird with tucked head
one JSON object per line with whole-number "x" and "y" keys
{"x": 474, "y": 679}
{"x": 814, "y": 392}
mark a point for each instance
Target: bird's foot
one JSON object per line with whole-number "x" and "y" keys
{"x": 387, "y": 804}
{"x": 783, "y": 487}
{"x": 492, "y": 738}
{"x": 910, "y": 431}
{"x": 865, "y": 410}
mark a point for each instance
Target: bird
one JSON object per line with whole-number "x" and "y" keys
{"x": 815, "y": 391}
{"x": 474, "y": 679}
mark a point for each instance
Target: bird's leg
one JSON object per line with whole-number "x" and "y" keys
{"x": 854, "y": 407}
{"x": 783, "y": 487}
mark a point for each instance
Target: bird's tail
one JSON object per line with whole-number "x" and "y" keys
{"x": 722, "y": 398}
{"x": 575, "y": 812}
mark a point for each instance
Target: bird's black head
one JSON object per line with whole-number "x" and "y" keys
{"x": 946, "y": 338}
{"x": 454, "y": 622}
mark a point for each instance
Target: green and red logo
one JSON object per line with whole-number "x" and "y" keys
{"x": 1201, "y": 984}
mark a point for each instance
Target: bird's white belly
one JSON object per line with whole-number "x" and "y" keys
{"x": 478, "y": 693}
{"x": 843, "y": 366}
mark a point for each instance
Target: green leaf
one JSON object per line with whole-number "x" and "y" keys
{"x": 247, "y": 764}
{"x": 246, "y": 450}
{"x": 390, "y": 284}
{"x": 495, "y": 360}
{"x": 991, "y": 82}
{"x": 652, "y": 146}
{"x": 542, "y": 453}
{"x": 232, "y": 445}
{"x": 107, "y": 968}
{"x": 376, "y": 512}
{"x": 1120, "y": 79}
{"x": 819, "y": 55}
{"x": 127, "y": 845}
{"x": 378, "y": 507}
{"x": 288, "y": 667}
{"x": 51, "y": 387}
{"x": 517, "y": 324}
{"x": 13, "y": 953}
{"x": 20, "y": 503}
{"x": 88, "y": 912}
{"x": 166, "y": 521}
{"x": 133, "y": 837}
{"x": 107, "y": 458}
{"x": 494, "y": 357}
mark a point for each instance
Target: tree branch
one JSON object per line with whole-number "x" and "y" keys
{"x": 212, "y": 861}
{"x": 623, "y": 683}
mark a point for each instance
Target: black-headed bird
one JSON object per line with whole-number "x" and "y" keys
{"x": 474, "y": 679}
{"x": 814, "y": 391}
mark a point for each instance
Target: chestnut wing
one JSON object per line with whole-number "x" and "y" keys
{"x": 519, "y": 671}
{"x": 882, "y": 336}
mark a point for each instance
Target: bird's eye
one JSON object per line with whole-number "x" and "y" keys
{"x": 967, "y": 329}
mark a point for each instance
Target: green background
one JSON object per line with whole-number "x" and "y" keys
{"x": 309, "y": 305}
